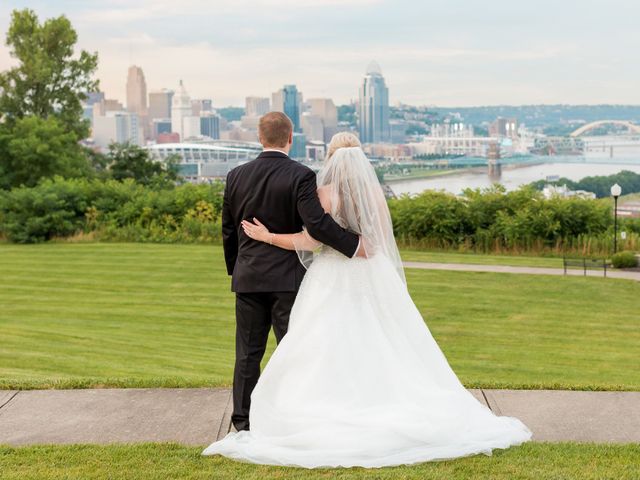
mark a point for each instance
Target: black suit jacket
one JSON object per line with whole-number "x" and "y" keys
{"x": 281, "y": 193}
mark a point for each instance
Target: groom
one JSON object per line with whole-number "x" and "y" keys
{"x": 282, "y": 194}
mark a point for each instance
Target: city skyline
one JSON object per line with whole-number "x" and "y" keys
{"x": 445, "y": 53}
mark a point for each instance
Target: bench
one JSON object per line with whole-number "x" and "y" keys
{"x": 586, "y": 263}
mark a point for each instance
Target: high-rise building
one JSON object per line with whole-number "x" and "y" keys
{"x": 106, "y": 105}
{"x": 298, "y": 147}
{"x": 180, "y": 109}
{"x": 88, "y": 103}
{"x": 373, "y": 107}
{"x": 117, "y": 127}
{"x": 256, "y": 106}
{"x": 327, "y": 111}
{"x": 210, "y": 125}
{"x": 312, "y": 127}
{"x": 136, "y": 91}
{"x": 201, "y": 105}
{"x": 160, "y": 126}
{"x": 289, "y": 101}
{"x": 190, "y": 127}
{"x": 160, "y": 104}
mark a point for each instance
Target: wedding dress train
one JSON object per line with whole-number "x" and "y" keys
{"x": 359, "y": 381}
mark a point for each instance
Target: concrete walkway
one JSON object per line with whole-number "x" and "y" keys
{"x": 201, "y": 415}
{"x": 469, "y": 267}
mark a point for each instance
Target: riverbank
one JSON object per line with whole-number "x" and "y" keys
{"x": 428, "y": 173}
{"x": 512, "y": 177}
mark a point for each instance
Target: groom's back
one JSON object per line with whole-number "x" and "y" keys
{"x": 266, "y": 188}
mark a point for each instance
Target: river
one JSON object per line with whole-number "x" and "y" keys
{"x": 512, "y": 177}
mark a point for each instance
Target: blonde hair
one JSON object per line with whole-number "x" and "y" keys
{"x": 341, "y": 140}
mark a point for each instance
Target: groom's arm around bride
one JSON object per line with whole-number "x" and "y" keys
{"x": 282, "y": 193}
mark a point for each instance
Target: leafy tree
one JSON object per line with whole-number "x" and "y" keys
{"x": 131, "y": 161}
{"x": 33, "y": 148}
{"x": 98, "y": 162}
{"x": 48, "y": 80}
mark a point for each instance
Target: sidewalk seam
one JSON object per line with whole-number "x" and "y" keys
{"x": 484, "y": 395}
{"x": 10, "y": 398}
{"x": 493, "y": 405}
{"x": 225, "y": 422}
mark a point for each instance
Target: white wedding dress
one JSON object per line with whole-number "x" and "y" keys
{"x": 358, "y": 380}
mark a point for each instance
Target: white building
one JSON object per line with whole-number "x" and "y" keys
{"x": 117, "y": 127}
{"x": 180, "y": 109}
{"x": 551, "y": 191}
{"x": 453, "y": 139}
{"x": 190, "y": 128}
{"x": 207, "y": 160}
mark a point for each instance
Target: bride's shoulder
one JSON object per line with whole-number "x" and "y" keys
{"x": 324, "y": 194}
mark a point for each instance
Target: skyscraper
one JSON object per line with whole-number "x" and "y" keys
{"x": 201, "y": 105}
{"x": 312, "y": 126}
{"x": 118, "y": 127}
{"x": 373, "y": 108}
{"x": 256, "y": 106}
{"x": 180, "y": 109}
{"x": 327, "y": 111}
{"x": 289, "y": 101}
{"x": 160, "y": 103}
{"x": 210, "y": 125}
{"x": 136, "y": 91}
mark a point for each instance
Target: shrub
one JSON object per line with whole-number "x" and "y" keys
{"x": 624, "y": 260}
{"x": 114, "y": 210}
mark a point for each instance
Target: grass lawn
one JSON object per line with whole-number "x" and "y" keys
{"x": 410, "y": 255}
{"x": 92, "y": 314}
{"x": 538, "y": 461}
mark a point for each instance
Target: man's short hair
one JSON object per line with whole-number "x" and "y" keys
{"x": 274, "y": 129}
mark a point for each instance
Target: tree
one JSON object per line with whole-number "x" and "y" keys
{"x": 48, "y": 80}
{"x": 33, "y": 148}
{"x": 131, "y": 161}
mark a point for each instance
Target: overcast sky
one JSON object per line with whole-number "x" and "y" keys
{"x": 432, "y": 52}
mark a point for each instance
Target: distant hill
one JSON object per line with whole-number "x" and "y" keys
{"x": 543, "y": 115}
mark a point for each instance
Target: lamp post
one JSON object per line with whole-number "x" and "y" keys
{"x": 616, "y": 190}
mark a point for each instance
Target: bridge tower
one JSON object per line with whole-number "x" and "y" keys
{"x": 493, "y": 160}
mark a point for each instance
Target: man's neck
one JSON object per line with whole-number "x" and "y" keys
{"x": 272, "y": 149}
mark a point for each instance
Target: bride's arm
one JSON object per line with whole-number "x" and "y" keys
{"x": 287, "y": 241}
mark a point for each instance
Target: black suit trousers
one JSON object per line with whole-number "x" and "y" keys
{"x": 256, "y": 313}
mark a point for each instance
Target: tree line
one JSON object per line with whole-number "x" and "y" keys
{"x": 600, "y": 185}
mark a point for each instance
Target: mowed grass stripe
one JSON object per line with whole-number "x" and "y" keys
{"x": 74, "y": 314}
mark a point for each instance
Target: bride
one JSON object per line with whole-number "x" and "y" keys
{"x": 358, "y": 380}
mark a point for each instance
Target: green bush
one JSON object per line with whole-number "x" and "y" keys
{"x": 493, "y": 220}
{"x": 490, "y": 220}
{"x": 113, "y": 210}
{"x": 624, "y": 260}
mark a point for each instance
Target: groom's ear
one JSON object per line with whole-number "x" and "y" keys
{"x": 291, "y": 138}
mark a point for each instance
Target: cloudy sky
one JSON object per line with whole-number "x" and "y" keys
{"x": 434, "y": 52}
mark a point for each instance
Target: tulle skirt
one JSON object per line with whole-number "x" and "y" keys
{"x": 359, "y": 381}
